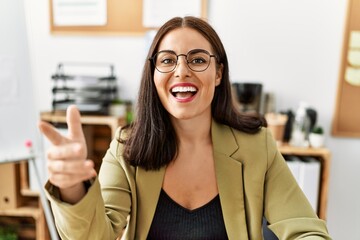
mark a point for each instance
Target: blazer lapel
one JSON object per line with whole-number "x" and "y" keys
{"x": 148, "y": 187}
{"x": 229, "y": 176}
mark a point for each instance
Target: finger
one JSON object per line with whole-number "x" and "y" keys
{"x": 70, "y": 167}
{"x": 70, "y": 151}
{"x": 73, "y": 120}
{"x": 51, "y": 133}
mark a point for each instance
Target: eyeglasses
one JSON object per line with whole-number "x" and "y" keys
{"x": 198, "y": 60}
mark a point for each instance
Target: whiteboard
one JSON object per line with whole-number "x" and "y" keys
{"x": 17, "y": 107}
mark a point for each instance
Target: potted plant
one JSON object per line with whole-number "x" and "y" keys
{"x": 316, "y": 137}
{"x": 117, "y": 108}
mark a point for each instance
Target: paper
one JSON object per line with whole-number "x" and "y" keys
{"x": 354, "y": 58}
{"x": 79, "y": 12}
{"x": 354, "y": 39}
{"x": 352, "y": 76}
{"x": 153, "y": 17}
{"x": 306, "y": 172}
{"x": 8, "y": 80}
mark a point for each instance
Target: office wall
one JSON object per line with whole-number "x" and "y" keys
{"x": 292, "y": 47}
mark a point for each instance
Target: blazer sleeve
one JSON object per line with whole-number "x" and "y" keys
{"x": 286, "y": 208}
{"x": 102, "y": 213}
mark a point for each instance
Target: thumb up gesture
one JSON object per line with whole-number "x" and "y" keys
{"x": 67, "y": 163}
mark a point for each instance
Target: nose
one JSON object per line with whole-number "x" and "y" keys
{"x": 182, "y": 69}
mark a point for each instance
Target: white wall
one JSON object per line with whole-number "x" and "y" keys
{"x": 292, "y": 47}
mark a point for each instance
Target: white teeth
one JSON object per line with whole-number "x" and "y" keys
{"x": 184, "y": 89}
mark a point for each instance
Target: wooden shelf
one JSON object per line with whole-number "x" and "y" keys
{"x": 111, "y": 121}
{"x": 321, "y": 152}
{"x": 23, "y": 210}
{"x": 323, "y": 155}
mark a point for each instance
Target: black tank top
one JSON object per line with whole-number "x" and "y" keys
{"x": 172, "y": 221}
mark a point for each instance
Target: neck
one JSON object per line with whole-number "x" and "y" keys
{"x": 193, "y": 131}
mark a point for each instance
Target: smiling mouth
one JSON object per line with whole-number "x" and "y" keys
{"x": 183, "y": 92}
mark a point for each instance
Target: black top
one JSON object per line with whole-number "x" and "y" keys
{"x": 172, "y": 221}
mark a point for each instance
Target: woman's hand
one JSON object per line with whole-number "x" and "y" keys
{"x": 67, "y": 164}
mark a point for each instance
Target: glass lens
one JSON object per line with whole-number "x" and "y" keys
{"x": 198, "y": 60}
{"x": 165, "y": 61}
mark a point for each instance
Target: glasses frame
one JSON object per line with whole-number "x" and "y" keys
{"x": 153, "y": 59}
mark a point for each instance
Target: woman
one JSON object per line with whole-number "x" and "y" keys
{"x": 189, "y": 167}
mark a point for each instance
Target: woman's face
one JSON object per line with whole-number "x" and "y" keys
{"x": 184, "y": 93}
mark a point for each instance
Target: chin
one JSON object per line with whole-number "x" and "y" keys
{"x": 182, "y": 116}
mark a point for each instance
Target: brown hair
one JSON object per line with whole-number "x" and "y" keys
{"x": 151, "y": 139}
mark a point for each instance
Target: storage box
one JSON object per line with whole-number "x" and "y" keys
{"x": 9, "y": 186}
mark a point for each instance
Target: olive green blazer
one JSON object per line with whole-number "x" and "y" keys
{"x": 253, "y": 181}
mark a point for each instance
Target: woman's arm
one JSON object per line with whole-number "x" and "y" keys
{"x": 287, "y": 209}
{"x": 102, "y": 213}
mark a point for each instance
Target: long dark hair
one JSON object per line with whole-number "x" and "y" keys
{"x": 150, "y": 141}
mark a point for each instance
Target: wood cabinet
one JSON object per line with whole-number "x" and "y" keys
{"x": 98, "y": 130}
{"x": 323, "y": 155}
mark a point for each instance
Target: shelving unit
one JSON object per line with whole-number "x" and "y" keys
{"x": 24, "y": 211}
{"x": 323, "y": 155}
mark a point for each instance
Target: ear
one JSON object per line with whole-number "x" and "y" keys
{"x": 219, "y": 73}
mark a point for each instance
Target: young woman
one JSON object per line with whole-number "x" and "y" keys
{"x": 189, "y": 167}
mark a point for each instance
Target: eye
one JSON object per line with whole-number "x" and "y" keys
{"x": 165, "y": 58}
{"x": 198, "y": 60}
{"x": 166, "y": 61}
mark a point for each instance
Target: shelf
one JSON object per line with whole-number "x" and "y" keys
{"x": 111, "y": 121}
{"x": 23, "y": 209}
{"x": 322, "y": 152}
{"x": 22, "y": 212}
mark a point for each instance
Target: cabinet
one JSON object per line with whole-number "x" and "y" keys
{"x": 98, "y": 131}
{"x": 323, "y": 155}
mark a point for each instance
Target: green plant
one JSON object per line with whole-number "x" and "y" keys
{"x": 117, "y": 101}
{"x": 8, "y": 233}
{"x": 317, "y": 130}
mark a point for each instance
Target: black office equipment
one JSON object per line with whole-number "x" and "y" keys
{"x": 248, "y": 95}
{"x": 92, "y": 94}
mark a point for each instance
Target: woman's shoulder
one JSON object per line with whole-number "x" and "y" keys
{"x": 261, "y": 140}
{"x": 261, "y": 134}
{"x": 254, "y": 149}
